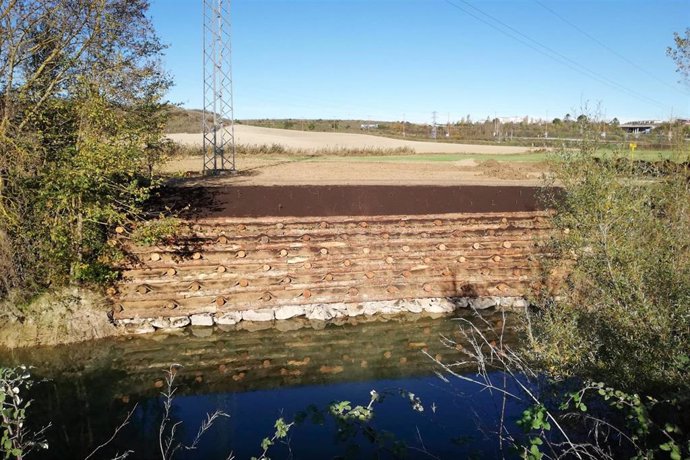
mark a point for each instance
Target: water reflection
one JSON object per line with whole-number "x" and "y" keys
{"x": 258, "y": 376}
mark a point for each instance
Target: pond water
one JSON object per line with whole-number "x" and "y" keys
{"x": 258, "y": 376}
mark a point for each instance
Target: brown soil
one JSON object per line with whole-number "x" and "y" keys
{"x": 362, "y": 200}
{"x": 501, "y": 170}
{"x": 288, "y": 170}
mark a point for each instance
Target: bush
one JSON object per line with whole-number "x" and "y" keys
{"x": 624, "y": 315}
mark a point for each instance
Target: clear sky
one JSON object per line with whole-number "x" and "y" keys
{"x": 380, "y": 59}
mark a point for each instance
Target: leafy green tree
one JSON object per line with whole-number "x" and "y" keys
{"x": 81, "y": 123}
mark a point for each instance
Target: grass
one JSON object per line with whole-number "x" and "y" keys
{"x": 438, "y": 158}
{"x": 404, "y": 155}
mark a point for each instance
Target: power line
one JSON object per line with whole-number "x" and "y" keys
{"x": 609, "y": 49}
{"x": 550, "y": 53}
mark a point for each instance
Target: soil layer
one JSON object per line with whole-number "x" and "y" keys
{"x": 355, "y": 200}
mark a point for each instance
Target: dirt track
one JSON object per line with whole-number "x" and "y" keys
{"x": 307, "y": 140}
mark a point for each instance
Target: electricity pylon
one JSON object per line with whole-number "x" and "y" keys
{"x": 218, "y": 118}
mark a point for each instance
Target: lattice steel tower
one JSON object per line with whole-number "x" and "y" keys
{"x": 218, "y": 121}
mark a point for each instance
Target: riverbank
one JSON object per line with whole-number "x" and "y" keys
{"x": 77, "y": 315}
{"x": 70, "y": 315}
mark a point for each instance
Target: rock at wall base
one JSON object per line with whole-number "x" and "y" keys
{"x": 482, "y": 303}
{"x": 289, "y": 311}
{"x": 204, "y": 319}
{"x": 265, "y": 314}
{"x": 437, "y": 305}
{"x": 293, "y": 317}
{"x": 228, "y": 319}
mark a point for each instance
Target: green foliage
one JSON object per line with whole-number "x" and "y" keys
{"x": 623, "y": 240}
{"x": 156, "y": 230}
{"x": 282, "y": 428}
{"x": 618, "y": 424}
{"x": 16, "y": 440}
{"x": 78, "y": 143}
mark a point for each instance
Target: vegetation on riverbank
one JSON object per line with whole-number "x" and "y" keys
{"x": 81, "y": 123}
{"x": 625, "y": 309}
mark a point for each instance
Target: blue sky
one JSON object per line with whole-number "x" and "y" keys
{"x": 380, "y": 59}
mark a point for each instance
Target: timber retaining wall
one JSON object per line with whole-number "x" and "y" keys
{"x": 225, "y": 269}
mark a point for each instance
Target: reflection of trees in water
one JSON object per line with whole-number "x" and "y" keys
{"x": 94, "y": 385}
{"x": 80, "y": 407}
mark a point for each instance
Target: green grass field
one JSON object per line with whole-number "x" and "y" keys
{"x": 647, "y": 155}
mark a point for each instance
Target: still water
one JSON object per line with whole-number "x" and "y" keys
{"x": 257, "y": 376}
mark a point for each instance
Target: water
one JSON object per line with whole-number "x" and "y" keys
{"x": 260, "y": 376}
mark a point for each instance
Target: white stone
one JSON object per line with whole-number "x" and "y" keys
{"x": 437, "y": 305}
{"x": 354, "y": 309}
{"x": 174, "y": 322}
{"x": 461, "y": 302}
{"x": 507, "y": 302}
{"x": 289, "y": 311}
{"x": 177, "y": 322}
{"x": 160, "y": 323}
{"x": 413, "y": 306}
{"x": 520, "y": 303}
{"x": 228, "y": 318}
{"x": 318, "y": 313}
{"x": 264, "y": 314}
{"x": 128, "y": 321}
{"x": 336, "y": 310}
{"x": 203, "y": 319}
{"x": 371, "y": 308}
{"x": 482, "y": 303}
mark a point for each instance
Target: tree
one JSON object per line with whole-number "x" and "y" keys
{"x": 557, "y": 121}
{"x": 680, "y": 53}
{"x": 81, "y": 122}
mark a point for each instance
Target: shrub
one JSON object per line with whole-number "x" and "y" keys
{"x": 624, "y": 315}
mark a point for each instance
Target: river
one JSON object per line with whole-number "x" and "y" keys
{"x": 291, "y": 370}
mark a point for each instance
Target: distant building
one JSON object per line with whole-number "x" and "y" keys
{"x": 369, "y": 126}
{"x": 640, "y": 127}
